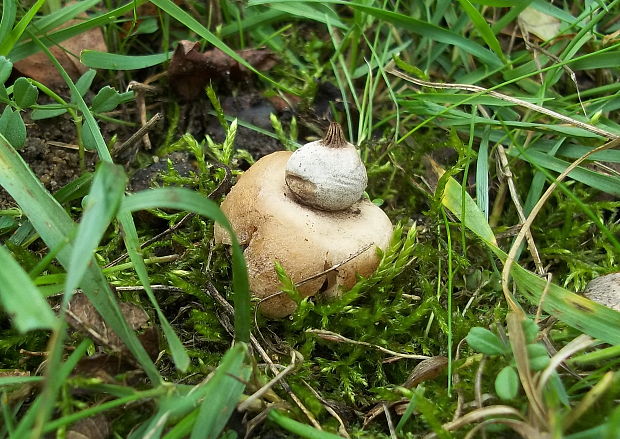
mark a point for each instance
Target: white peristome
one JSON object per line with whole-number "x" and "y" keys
{"x": 327, "y": 174}
{"x": 605, "y": 290}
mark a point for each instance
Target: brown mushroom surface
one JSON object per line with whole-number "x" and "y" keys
{"x": 306, "y": 241}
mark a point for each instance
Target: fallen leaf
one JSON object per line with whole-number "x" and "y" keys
{"x": 14, "y": 373}
{"x": 82, "y": 315}
{"x": 538, "y": 23}
{"x": 426, "y": 370}
{"x": 191, "y": 70}
{"x": 39, "y": 67}
{"x": 16, "y": 392}
{"x": 106, "y": 366}
{"x": 93, "y": 427}
{"x": 102, "y": 366}
{"x": 285, "y": 103}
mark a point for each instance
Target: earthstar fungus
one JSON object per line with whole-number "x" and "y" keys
{"x": 305, "y": 210}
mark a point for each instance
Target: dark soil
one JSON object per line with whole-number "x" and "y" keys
{"x": 54, "y": 165}
{"x": 253, "y": 109}
{"x": 57, "y": 165}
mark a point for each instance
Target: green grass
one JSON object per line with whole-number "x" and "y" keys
{"x": 467, "y": 133}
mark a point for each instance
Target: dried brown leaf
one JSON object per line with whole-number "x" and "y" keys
{"x": 94, "y": 427}
{"x": 191, "y": 70}
{"x": 14, "y": 373}
{"x": 39, "y": 67}
{"x": 426, "y": 370}
{"x": 544, "y": 26}
{"x": 81, "y": 314}
{"x": 105, "y": 366}
{"x": 101, "y": 366}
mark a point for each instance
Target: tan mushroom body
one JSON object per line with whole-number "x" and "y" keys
{"x": 275, "y": 227}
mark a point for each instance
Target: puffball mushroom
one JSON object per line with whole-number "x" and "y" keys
{"x": 307, "y": 235}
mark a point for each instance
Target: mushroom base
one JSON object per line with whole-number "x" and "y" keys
{"x": 274, "y": 226}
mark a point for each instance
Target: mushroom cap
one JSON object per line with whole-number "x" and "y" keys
{"x": 275, "y": 227}
{"x": 326, "y": 177}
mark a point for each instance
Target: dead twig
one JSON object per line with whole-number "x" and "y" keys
{"x": 390, "y": 423}
{"x": 156, "y": 287}
{"x": 518, "y": 344}
{"x": 525, "y": 430}
{"x": 542, "y": 298}
{"x": 333, "y": 336}
{"x": 141, "y": 90}
{"x": 342, "y": 429}
{"x": 308, "y": 279}
{"x": 478, "y": 414}
{"x": 296, "y": 359}
{"x": 228, "y": 308}
{"x": 146, "y": 127}
{"x": 460, "y": 398}
{"x": 425, "y": 370}
{"x": 67, "y": 146}
{"x": 535, "y": 47}
{"x": 478, "y": 382}
{"x": 334, "y": 267}
{"x": 507, "y": 173}
{"x": 579, "y": 343}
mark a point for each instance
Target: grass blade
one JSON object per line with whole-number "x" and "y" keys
{"x": 9, "y": 381}
{"x": 303, "y": 10}
{"x": 215, "y": 393}
{"x": 482, "y": 175}
{"x": 60, "y": 375}
{"x": 419, "y": 27}
{"x": 54, "y": 225}
{"x": 61, "y": 16}
{"x": 178, "y": 352}
{"x": 9, "y": 41}
{"x": 9, "y": 11}
{"x": 252, "y": 21}
{"x": 25, "y": 49}
{"x": 299, "y": 429}
{"x": 437, "y": 33}
{"x": 21, "y": 298}
{"x": 100, "y": 207}
{"x": 602, "y": 182}
{"x": 483, "y": 28}
{"x": 184, "y": 199}
{"x": 589, "y": 317}
{"x": 609, "y": 60}
{"x": 222, "y": 393}
{"x": 572, "y": 151}
{"x": 113, "y": 61}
